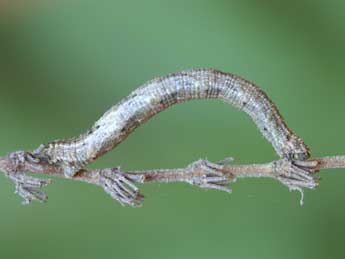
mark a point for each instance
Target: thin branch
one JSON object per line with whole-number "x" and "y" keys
{"x": 329, "y": 162}
{"x": 296, "y": 175}
{"x": 68, "y": 158}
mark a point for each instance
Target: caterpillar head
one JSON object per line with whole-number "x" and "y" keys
{"x": 296, "y": 149}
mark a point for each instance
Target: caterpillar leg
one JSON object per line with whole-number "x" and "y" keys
{"x": 297, "y": 175}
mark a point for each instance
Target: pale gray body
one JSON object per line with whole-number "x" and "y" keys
{"x": 160, "y": 93}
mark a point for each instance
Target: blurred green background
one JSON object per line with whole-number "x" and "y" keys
{"x": 64, "y": 63}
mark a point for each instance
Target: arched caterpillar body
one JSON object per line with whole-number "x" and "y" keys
{"x": 159, "y": 94}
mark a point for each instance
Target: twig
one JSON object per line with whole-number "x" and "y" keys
{"x": 296, "y": 175}
{"x": 68, "y": 158}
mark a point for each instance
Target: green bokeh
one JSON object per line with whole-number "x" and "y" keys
{"x": 63, "y": 63}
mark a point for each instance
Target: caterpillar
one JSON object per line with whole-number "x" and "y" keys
{"x": 162, "y": 92}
